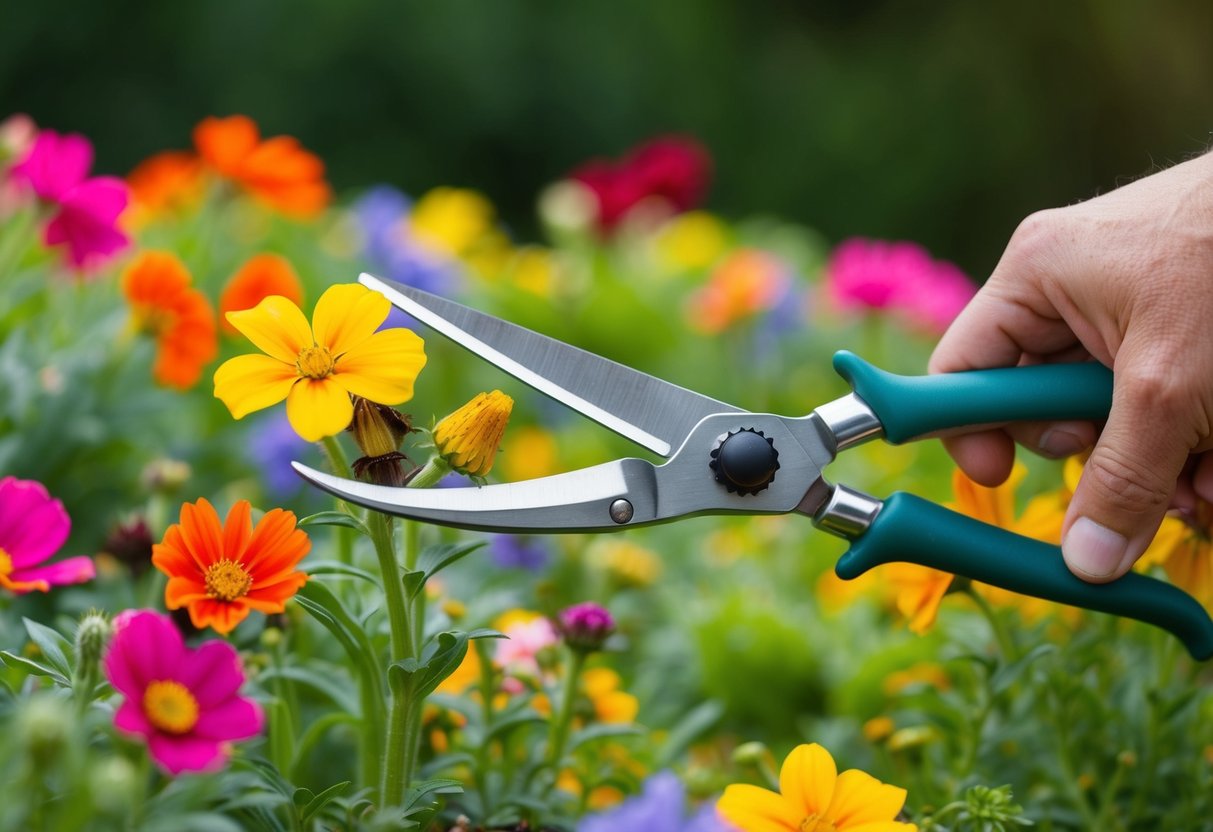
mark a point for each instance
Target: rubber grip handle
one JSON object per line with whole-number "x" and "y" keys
{"x": 914, "y": 406}
{"x": 913, "y": 530}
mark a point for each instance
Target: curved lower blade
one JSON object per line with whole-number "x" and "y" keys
{"x": 649, "y": 411}
{"x": 578, "y": 500}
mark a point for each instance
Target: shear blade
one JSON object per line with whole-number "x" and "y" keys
{"x": 578, "y": 500}
{"x": 649, "y": 411}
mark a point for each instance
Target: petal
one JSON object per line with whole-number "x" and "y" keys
{"x": 237, "y": 530}
{"x": 758, "y": 810}
{"x": 237, "y": 718}
{"x": 145, "y": 647}
{"x": 346, "y": 315}
{"x": 807, "y": 779}
{"x": 884, "y": 826}
{"x": 276, "y": 326}
{"x": 183, "y": 591}
{"x": 383, "y": 367}
{"x": 201, "y": 532}
{"x": 213, "y": 674}
{"x": 33, "y": 525}
{"x": 176, "y": 754}
{"x": 130, "y": 719}
{"x": 861, "y": 798}
{"x": 222, "y": 616}
{"x": 251, "y": 382}
{"x": 75, "y": 570}
{"x": 224, "y": 143}
{"x": 276, "y": 544}
{"x": 173, "y": 557}
{"x": 318, "y": 408}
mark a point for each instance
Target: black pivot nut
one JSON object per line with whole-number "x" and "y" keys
{"x": 745, "y": 461}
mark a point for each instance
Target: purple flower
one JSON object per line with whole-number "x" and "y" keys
{"x": 585, "y": 627}
{"x": 511, "y": 551}
{"x": 390, "y": 247}
{"x": 660, "y": 807}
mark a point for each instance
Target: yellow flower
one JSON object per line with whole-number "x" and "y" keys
{"x": 814, "y": 797}
{"x": 877, "y": 728}
{"x": 628, "y": 563}
{"x": 530, "y": 453}
{"x": 451, "y": 220}
{"x": 468, "y": 439}
{"x": 611, "y": 705}
{"x": 317, "y": 367}
{"x": 693, "y": 240}
{"x": 1184, "y": 548}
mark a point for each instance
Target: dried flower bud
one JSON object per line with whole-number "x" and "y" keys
{"x": 585, "y": 627}
{"x": 378, "y": 430}
{"x": 468, "y": 439}
{"x": 130, "y": 542}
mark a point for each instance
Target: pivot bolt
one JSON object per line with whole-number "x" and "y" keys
{"x": 745, "y": 461}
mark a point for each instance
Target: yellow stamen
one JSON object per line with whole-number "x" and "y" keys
{"x": 314, "y": 362}
{"x": 227, "y": 580}
{"x": 468, "y": 439}
{"x": 816, "y": 823}
{"x": 170, "y": 707}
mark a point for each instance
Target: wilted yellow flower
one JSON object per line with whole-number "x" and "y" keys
{"x": 468, "y": 439}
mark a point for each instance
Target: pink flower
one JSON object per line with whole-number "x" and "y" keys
{"x": 672, "y": 169}
{"x": 185, "y": 703}
{"x": 523, "y": 641}
{"x": 897, "y": 276}
{"x": 56, "y": 168}
{"x": 32, "y": 528}
{"x": 585, "y": 627}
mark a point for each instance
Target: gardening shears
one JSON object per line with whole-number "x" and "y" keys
{"x": 722, "y": 459}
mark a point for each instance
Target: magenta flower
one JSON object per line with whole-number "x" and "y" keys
{"x": 900, "y": 277}
{"x": 585, "y": 627}
{"x": 33, "y": 526}
{"x": 185, "y": 703}
{"x": 56, "y": 168}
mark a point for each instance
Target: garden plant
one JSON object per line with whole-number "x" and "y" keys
{"x": 193, "y": 639}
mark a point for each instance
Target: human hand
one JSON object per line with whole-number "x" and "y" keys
{"x": 1127, "y": 279}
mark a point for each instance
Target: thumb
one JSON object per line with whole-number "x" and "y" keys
{"x": 1128, "y": 482}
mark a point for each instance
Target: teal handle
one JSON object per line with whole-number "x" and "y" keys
{"x": 913, "y": 530}
{"x": 914, "y": 406}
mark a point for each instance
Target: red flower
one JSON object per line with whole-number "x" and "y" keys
{"x": 674, "y": 169}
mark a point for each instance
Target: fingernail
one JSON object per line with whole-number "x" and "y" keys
{"x": 1094, "y": 549}
{"x": 1059, "y": 442}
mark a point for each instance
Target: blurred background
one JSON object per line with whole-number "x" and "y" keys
{"x": 944, "y": 123}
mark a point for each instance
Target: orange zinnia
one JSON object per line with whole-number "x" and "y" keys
{"x": 261, "y": 276}
{"x": 163, "y": 304}
{"x": 220, "y": 571}
{"x": 164, "y": 182}
{"x": 277, "y": 170}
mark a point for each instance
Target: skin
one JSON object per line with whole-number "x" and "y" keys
{"x": 1125, "y": 279}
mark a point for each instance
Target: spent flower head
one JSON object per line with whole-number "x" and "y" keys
{"x": 378, "y": 431}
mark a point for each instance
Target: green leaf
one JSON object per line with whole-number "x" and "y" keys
{"x": 317, "y": 802}
{"x": 335, "y": 684}
{"x": 691, "y": 727}
{"x": 433, "y": 559}
{"x": 1007, "y": 675}
{"x": 33, "y": 667}
{"x": 414, "y": 582}
{"x": 335, "y": 518}
{"x": 601, "y": 731}
{"x": 502, "y": 727}
{"x": 332, "y": 567}
{"x": 281, "y": 737}
{"x": 485, "y": 632}
{"x": 421, "y": 791}
{"x": 439, "y": 658}
{"x": 53, "y": 645}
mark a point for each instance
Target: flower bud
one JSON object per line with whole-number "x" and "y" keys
{"x": 114, "y": 785}
{"x": 130, "y": 542}
{"x": 468, "y": 439}
{"x": 378, "y": 430}
{"x": 165, "y": 476}
{"x": 44, "y": 729}
{"x": 751, "y": 754}
{"x": 92, "y": 636}
{"x": 585, "y": 627}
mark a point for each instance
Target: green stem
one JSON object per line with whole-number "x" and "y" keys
{"x": 481, "y": 770}
{"x": 559, "y": 735}
{"x": 434, "y": 470}
{"x": 1006, "y": 642}
{"x": 398, "y": 757}
{"x": 340, "y": 466}
{"x": 16, "y": 240}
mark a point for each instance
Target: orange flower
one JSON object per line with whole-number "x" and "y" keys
{"x": 220, "y": 571}
{"x": 277, "y": 170}
{"x": 164, "y": 182}
{"x": 261, "y": 276}
{"x": 163, "y": 304}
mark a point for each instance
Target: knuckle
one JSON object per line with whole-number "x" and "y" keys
{"x": 1126, "y": 484}
{"x": 1037, "y": 234}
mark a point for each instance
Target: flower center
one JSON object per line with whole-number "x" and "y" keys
{"x": 314, "y": 362}
{"x": 816, "y": 823}
{"x": 227, "y": 580}
{"x": 6, "y": 562}
{"x": 170, "y": 707}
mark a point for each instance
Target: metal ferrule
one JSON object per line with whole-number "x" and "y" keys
{"x": 848, "y": 513}
{"x": 850, "y": 420}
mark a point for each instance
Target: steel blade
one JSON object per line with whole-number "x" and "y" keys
{"x": 578, "y": 500}
{"x": 651, "y": 412}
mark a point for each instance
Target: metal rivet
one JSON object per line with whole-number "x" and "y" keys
{"x": 621, "y": 511}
